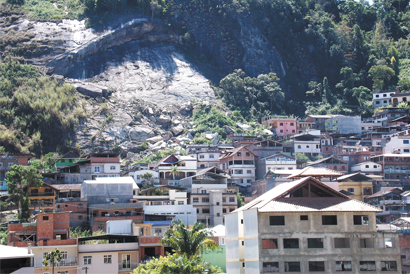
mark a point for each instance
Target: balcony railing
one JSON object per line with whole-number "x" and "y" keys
{"x": 65, "y": 262}
{"x": 36, "y": 194}
{"x": 127, "y": 265}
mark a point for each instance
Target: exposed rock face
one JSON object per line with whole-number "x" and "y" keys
{"x": 140, "y": 133}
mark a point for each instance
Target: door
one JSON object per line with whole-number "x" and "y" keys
{"x": 126, "y": 261}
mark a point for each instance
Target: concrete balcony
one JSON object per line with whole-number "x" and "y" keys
{"x": 66, "y": 262}
{"x": 107, "y": 247}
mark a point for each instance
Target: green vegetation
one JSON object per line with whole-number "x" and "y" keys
{"x": 19, "y": 180}
{"x": 36, "y": 113}
{"x": 187, "y": 244}
{"x": 239, "y": 200}
{"x": 52, "y": 259}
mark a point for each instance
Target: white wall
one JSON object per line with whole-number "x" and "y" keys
{"x": 187, "y": 213}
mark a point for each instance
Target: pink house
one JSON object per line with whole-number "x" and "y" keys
{"x": 282, "y": 125}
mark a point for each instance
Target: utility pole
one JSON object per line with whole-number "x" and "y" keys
{"x": 85, "y": 268}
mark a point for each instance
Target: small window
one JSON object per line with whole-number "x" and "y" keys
{"x": 107, "y": 259}
{"x": 101, "y": 227}
{"x": 80, "y": 217}
{"x": 343, "y": 266}
{"x": 277, "y": 220}
{"x": 304, "y": 217}
{"x": 315, "y": 242}
{"x": 292, "y": 266}
{"x": 45, "y": 218}
{"x": 249, "y": 172}
{"x": 243, "y": 243}
{"x": 317, "y": 266}
{"x": 366, "y": 166}
{"x": 205, "y": 210}
{"x": 218, "y": 214}
{"x": 223, "y": 210}
{"x": 389, "y": 265}
{"x": 307, "y": 146}
{"x": 205, "y": 200}
{"x": 361, "y": 219}
{"x": 112, "y": 167}
{"x": 195, "y": 200}
{"x": 87, "y": 260}
{"x": 342, "y": 242}
{"x": 211, "y": 156}
{"x": 329, "y": 220}
{"x": 366, "y": 243}
{"x": 79, "y": 205}
{"x": 350, "y": 189}
{"x": 291, "y": 243}
{"x": 247, "y": 154}
{"x": 269, "y": 243}
{"x": 281, "y": 124}
{"x": 270, "y": 267}
{"x": 238, "y": 154}
{"x": 180, "y": 202}
{"x": 367, "y": 266}
{"x": 201, "y": 156}
{"x": 231, "y": 199}
{"x": 406, "y": 142}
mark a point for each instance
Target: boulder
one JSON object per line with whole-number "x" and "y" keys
{"x": 163, "y": 119}
{"x": 177, "y": 129}
{"x": 155, "y": 139}
{"x": 141, "y": 133}
{"x": 91, "y": 90}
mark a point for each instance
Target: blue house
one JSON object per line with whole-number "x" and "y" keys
{"x": 6, "y": 162}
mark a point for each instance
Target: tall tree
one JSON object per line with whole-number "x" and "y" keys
{"x": 188, "y": 241}
{"x": 174, "y": 171}
{"x": 52, "y": 258}
{"x": 19, "y": 180}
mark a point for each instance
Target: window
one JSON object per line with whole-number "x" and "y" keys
{"x": 201, "y": 156}
{"x": 205, "y": 210}
{"x": 343, "y": 266}
{"x": 389, "y": 265}
{"x": 366, "y": 243}
{"x": 374, "y": 166}
{"x": 249, "y": 171}
{"x": 315, "y": 242}
{"x": 247, "y": 154}
{"x": 238, "y": 171}
{"x": 223, "y": 200}
{"x": 304, "y": 217}
{"x": 329, "y": 220}
{"x": 243, "y": 243}
{"x": 107, "y": 259}
{"x": 100, "y": 227}
{"x": 281, "y": 124}
{"x": 45, "y": 218}
{"x": 366, "y": 166}
{"x": 79, "y": 205}
{"x": 195, "y": 200}
{"x": 292, "y": 124}
{"x": 361, "y": 220}
{"x": 291, "y": 243}
{"x": 218, "y": 214}
{"x": 269, "y": 243}
{"x": 158, "y": 231}
{"x": 350, "y": 189}
{"x": 342, "y": 242}
{"x": 112, "y": 167}
{"x": 277, "y": 220}
{"x": 406, "y": 142}
{"x": 307, "y": 146}
{"x": 211, "y": 156}
{"x": 87, "y": 260}
{"x": 97, "y": 169}
{"x": 64, "y": 255}
{"x": 387, "y": 243}
{"x": 270, "y": 267}
{"x": 11, "y": 164}
{"x": 180, "y": 202}
{"x": 80, "y": 217}
{"x": 377, "y": 96}
{"x": 367, "y": 265}
{"x": 231, "y": 199}
{"x": 224, "y": 210}
{"x": 238, "y": 154}
{"x": 205, "y": 200}
{"x": 316, "y": 266}
{"x": 292, "y": 266}
{"x": 299, "y": 146}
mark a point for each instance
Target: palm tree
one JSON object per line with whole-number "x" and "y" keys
{"x": 174, "y": 171}
{"x": 147, "y": 176}
{"x": 188, "y": 241}
{"x": 52, "y": 258}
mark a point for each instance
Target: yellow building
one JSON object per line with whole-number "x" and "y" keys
{"x": 358, "y": 184}
{"x": 42, "y": 198}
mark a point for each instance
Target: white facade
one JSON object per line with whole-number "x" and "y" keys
{"x": 398, "y": 144}
{"x": 137, "y": 176}
{"x": 68, "y": 263}
{"x": 187, "y": 213}
{"x": 382, "y": 98}
{"x": 173, "y": 198}
{"x": 367, "y": 168}
{"x": 307, "y": 147}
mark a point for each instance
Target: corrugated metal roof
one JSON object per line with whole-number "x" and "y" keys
{"x": 315, "y": 171}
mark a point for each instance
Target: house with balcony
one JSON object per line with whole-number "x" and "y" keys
{"x": 68, "y": 263}
{"x": 395, "y": 167}
{"x": 318, "y": 120}
{"x": 186, "y": 166}
{"x": 388, "y": 114}
{"x": 275, "y": 162}
{"x": 163, "y": 195}
{"x": 281, "y": 125}
{"x": 240, "y": 164}
{"x": 68, "y": 159}
{"x": 108, "y": 254}
{"x": 212, "y": 178}
{"x": 358, "y": 184}
{"x": 304, "y": 126}
{"x": 212, "y": 205}
{"x": 6, "y": 162}
{"x": 206, "y": 156}
{"x": 390, "y": 201}
{"x": 305, "y": 226}
{"x": 42, "y": 198}
{"x": 101, "y": 213}
{"x": 47, "y": 229}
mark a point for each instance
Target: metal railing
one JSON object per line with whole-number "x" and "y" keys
{"x": 127, "y": 265}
